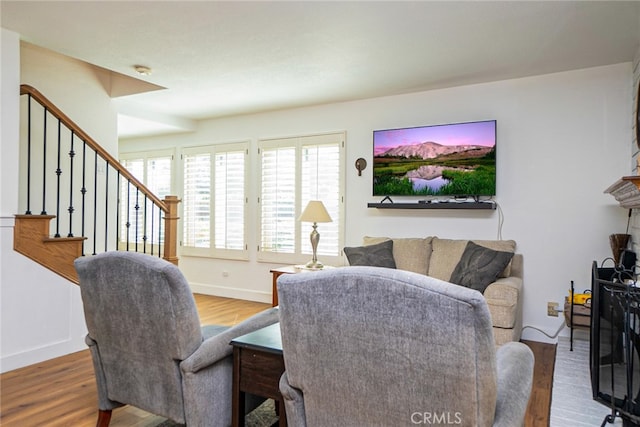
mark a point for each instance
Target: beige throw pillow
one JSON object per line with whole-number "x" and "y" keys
{"x": 410, "y": 254}
{"x": 447, "y": 253}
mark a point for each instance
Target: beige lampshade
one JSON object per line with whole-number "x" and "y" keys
{"x": 315, "y": 212}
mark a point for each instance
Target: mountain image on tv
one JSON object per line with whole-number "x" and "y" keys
{"x": 444, "y": 160}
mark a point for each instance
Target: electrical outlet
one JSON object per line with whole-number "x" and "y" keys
{"x": 552, "y": 309}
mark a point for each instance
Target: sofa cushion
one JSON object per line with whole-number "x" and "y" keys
{"x": 410, "y": 254}
{"x": 447, "y": 253}
{"x": 479, "y": 266}
{"x": 378, "y": 255}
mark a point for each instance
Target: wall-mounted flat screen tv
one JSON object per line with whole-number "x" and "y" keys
{"x": 457, "y": 160}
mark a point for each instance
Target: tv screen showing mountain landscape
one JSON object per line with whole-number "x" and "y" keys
{"x": 443, "y": 160}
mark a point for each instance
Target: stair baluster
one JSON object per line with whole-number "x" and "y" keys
{"x": 112, "y": 181}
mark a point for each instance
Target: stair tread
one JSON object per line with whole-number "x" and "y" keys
{"x": 63, "y": 239}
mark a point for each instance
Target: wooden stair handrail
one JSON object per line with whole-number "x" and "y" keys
{"x": 42, "y": 100}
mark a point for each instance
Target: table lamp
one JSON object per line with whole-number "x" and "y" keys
{"x": 315, "y": 212}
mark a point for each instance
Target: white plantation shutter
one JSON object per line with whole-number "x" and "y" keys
{"x": 278, "y": 207}
{"x": 196, "y": 200}
{"x": 321, "y": 181}
{"x": 159, "y": 176}
{"x": 293, "y": 172}
{"x": 135, "y": 166}
{"x": 129, "y": 215}
{"x": 155, "y": 171}
{"x": 214, "y": 201}
{"x": 158, "y": 180}
{"x": 230, "y": 200}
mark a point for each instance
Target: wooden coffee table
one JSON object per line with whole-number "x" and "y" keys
{"x": 257, "y": 367}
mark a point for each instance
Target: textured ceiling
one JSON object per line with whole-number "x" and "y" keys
{"x": 225, "y": 58}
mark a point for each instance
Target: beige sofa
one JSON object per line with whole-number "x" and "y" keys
{"x": 438, "y": 258}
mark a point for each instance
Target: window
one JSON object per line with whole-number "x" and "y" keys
{"x": 139, "y": 219}
{"x": 214, "y": 202}
{"x": 196, "y": 200}
{"x": 293, "y": 172}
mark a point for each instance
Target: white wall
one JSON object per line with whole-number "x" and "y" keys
{"x": 9, "y": 132}
{"x": 79, "y": 89}
{"x": 562, "y": 139}
{"x": 41, "y": 313}
{"x": 634, "y": 229}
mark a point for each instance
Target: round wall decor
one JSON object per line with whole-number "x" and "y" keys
{"x": 361, "y": 164}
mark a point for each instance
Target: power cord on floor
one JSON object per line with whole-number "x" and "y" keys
{"x": 543, "y": 332}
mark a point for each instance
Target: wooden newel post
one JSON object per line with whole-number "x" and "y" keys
{"x": 171, "y": 229}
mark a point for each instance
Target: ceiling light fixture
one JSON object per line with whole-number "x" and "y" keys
{"x": 142, "y": 70}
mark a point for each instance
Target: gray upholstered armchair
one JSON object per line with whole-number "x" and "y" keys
{"x": 381, "y": 347}
{"x": 147, "y": 344}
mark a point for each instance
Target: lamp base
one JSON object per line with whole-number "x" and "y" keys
{"x": 314, "y": 265}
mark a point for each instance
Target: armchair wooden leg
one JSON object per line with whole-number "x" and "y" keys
{"x": 104, "y": 417}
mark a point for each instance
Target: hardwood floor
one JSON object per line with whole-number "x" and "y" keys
{"x": 539, "y": 408}
{"x": 62, "y": 391}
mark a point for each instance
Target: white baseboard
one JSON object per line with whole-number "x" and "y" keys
{"x": 41, "y": 354}
{"x": 7, "y": 221}
{"x": 226, "y": 292}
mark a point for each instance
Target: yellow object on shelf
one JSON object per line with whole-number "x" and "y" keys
{"x": 581, "y": 299}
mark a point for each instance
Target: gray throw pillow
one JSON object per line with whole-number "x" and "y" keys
{"x": 479, "y": 267}
{"x": 379, "y": 255}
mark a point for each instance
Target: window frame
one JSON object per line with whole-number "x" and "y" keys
{"x": 212, "y": 251}
{"x": 300, "y": 229}
{"x": 146, "y": 156}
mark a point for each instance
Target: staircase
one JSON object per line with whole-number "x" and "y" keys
{"x": 65, "y": 167}
{"x": 31, "y": 239}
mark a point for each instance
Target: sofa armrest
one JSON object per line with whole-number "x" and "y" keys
{"x": 514, "y": 363}
{"x": 504, "y": 298}
{"x": 505, "y": 288}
